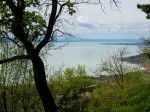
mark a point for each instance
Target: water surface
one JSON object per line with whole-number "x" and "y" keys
{"x": 88, "y": 54}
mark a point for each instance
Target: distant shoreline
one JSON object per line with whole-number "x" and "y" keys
{"x": 136, "y": 42}
{"x": 106, "y": 43}
{"x": 123, "y": 43}
{"x": 141, "y": 60}
{"x": 98, "y": 40}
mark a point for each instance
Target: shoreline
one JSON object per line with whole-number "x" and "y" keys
{"x": 141, "y": 60}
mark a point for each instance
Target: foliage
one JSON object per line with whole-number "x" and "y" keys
{"x": 17, "y": 89}
{"x": 68, "y": 85}
{"x": 145, "y": 8}
{"x": 145, "y": 49}
{"x": 116, "y": 94}
{"x": 134, "y": 97}
{"x": 70, "y": 6}
{"x": 34, "y": 25}
{"x": 33, "y": 22}
{"x": 116, "y": 67}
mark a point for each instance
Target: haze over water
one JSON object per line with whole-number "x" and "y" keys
{"x": 88, "y": 53}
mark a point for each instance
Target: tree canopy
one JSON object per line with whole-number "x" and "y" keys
{"x": 145, "y": 8}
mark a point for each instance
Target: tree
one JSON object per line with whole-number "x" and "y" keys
{"x": 116, "y": 68}
{"x": 145, "y": 8}
{"x": 17, "y": 89}
{"x": 69, "y": 87}
{"x": 33, "y": 25}
{"x": 146, "y": 49}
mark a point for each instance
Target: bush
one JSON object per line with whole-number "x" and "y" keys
{"x": 135, "y": 97}
{"x": 68, "y": 86}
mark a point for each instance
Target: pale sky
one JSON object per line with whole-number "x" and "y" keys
{"x": 130, "y": 22}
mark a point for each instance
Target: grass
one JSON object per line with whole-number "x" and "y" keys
{"x": 146, "y": 77}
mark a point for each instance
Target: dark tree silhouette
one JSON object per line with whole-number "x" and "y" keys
{"x": 145, "y": 8}
{"x": 146, "y": 49}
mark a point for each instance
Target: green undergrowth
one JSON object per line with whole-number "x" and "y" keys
{"x": 135, "y": 97}
{"x": 75, "y": 91}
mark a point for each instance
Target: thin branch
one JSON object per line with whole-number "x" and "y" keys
{"x": 5, "y": 35}
{"x": 13, "y": 41}
{"x": 60, "y": 10}
{"x": 116, "y": 5}
{"x": 115, "y": 2}
{"x": 102, "y": 8}
{"x": 19, "y": 57}
{"x": 63, "y": 33}
{"x": 50, "y": 27}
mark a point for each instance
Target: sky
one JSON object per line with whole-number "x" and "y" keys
{"x": 129, "y": 22}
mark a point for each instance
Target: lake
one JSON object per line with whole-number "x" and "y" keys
{"x": 88, "y": 54}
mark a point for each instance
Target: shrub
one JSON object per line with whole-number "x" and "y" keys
{"x": 68, "y": 86}
{"x": 135, "y": 97}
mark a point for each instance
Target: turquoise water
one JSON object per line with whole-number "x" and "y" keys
{"x": 88, "y": 54}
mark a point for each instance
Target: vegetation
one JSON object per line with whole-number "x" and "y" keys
{"x": 70, "y": 87}
{"x": 25, "y": 34}
{"x": 134, "y": 97}
{"x": 125, "y": 89}
{"x": 145, "y": 8}
{"x": 74, "y": 90}
{"x": 17, "y": 90}
{"x": 33, "y": 25}
{"x": 145, "y": 50}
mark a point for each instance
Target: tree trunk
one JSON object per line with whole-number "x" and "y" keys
{"x": 4, "y": 99}
{"x": 148, "y": 56}
{"x": 41, "y": 85}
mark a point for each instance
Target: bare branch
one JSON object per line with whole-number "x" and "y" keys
{"x": 50, "y": 27}
{"x": 5, "y": 35}
{"x": 62, "y": 34}
{"x": 13, "y": 41}
{"x": 19, "y": 57}
{"x": 116, "y": 3}
{"x": 60, "y": 10}
{"x": 102, "y": 8}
